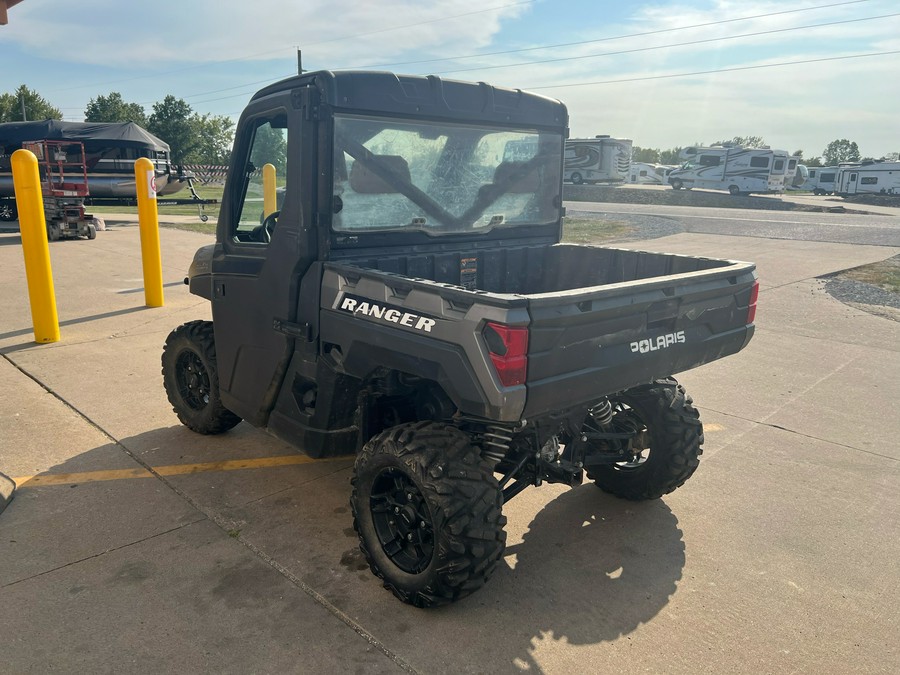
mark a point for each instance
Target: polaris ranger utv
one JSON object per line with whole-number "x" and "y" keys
{"x": 410, "y": 302}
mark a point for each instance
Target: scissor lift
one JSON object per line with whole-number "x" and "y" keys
{"x": 64, "y": 181}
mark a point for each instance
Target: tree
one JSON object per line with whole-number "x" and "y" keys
{"x": 215, "y": 135}
{"x": 840, "y": 150}
{"x": 113, "y": 108}
{"x": 36, "y": 106}
{"x": 746, "y": 141}
{"x": 670, "y": 156}
{"x": 646, "y": 155}
{"x": 192, "y": 138}
{"x": 269, "y": 146}
{"x": 813, "y": 161}
{"x": 171, "y": 121}
{"x": 892, "y": 157}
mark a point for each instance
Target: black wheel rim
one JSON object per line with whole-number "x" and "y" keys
{"x": 193, "y": 380}
{"x": 402, "y": 521}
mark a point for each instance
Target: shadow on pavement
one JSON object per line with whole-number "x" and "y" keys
{"x": 591, "y": 568}
{"x": 68, "y": 322}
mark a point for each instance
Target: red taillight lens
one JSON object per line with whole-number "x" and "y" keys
{"x": 508, "y": 347}
{"x": 754, "y": 295}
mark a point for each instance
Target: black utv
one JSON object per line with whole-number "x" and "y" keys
{"x": 410, "y": 301}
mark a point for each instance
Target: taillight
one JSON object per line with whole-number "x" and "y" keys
{"x": 754, "y": 295}
{"x": 508, "y": 348}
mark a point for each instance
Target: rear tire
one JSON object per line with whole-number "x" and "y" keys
{"x": 734, "y": 190}
{"x": 668, "y": 451}
{"x": 576, "y": 178}
{"x": 428, "y": 513}
{"x": 191, "y": 379}
{"x": 677, "y": 184}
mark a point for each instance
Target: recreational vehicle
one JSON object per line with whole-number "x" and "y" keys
{"x": 819, "y": 180}
{"x": 643, "y": 173}
{"x": 868, "y": 178}
{"x": 737, "y": 169}
{"x": 597, "y": 160}
{"x": 110, "y": 152}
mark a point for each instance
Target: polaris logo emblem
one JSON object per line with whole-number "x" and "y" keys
{"x": 363, "y": 307}
{"x": 661, "y": 342}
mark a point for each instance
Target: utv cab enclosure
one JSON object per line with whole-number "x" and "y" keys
{"x": 401, "y": 293}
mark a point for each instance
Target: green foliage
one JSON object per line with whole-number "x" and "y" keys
{"x": 113, "y": 108}
{"x": 813, "y": 161}
{"x": 746, "y": 141}
{"x": 192, "y": 138}
{"x": 215, "y": 134}
{"x": 646, "y": 155}
{"x": 269, "y": 146}
{"x": 840, "y": 150}
{"x": 670, "y": 156}
{"x": 36, "y": 106}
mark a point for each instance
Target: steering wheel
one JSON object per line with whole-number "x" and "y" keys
{"x": 268, "y": 225}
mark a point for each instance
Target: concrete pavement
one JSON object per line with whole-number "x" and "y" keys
{"x": 149, "y": 552}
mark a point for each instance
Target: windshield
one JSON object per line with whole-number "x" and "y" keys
{"x": 442, "y": 178}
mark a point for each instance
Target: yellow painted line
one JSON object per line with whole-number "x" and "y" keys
{"x": 169, "y": 470}
{"x": 713, "y": 427}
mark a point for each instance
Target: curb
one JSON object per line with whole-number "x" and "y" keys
{"x": 7, "y": 488}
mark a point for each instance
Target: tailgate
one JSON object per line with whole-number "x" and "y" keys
{"x": 588, "y": 342}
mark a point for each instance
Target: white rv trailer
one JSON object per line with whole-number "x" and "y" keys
{"x": 819, "y": 179}
{"x": 868, "y": 178}
{"x": 643, "y": 173}
{"x": 597, "y": 160}
{"x": 734, "y": 168}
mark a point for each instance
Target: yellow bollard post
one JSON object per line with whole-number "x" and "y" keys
{"x": 270, "y": 205}
{"x": 30, "y": 202}
{"x": 148, "y": 219}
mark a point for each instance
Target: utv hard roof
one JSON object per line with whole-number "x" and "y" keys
{"x": 426, "y": 96}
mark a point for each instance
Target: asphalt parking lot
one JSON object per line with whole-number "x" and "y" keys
{"x": 134, "y": 545}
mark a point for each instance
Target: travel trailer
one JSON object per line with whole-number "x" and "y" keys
{"x": 643, "y": 173}
{"x": 880, "y": 178}
{"x": 739, "y": 170}
{"x": 819, "y": 179}
{"x": 597, "y": 160}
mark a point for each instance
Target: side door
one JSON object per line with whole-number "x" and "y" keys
{"x": 259, "y": 260}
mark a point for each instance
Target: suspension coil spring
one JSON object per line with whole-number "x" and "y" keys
{"x": 602, "y": 413}
{"x": 495, "y": 443}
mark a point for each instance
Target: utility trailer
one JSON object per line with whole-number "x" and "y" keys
{"x": 410, "y": 302}
{"x": 64, "y": 186}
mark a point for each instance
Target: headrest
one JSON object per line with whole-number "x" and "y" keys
{"x": 364, "y": 181}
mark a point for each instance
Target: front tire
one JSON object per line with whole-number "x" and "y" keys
{"x": 677, "y": 184}
{"x": 428, "y": 513}
{"x": 577, "y": 179}
{"x": 191, "y": 379}
{"x": 666, "y": 451}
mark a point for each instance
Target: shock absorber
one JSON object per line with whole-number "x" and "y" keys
{"x": 602, "y": 412}
{"x": 496, "y": 441}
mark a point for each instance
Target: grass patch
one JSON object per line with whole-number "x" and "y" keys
{"x": 208, "y": 227}
{"x": 204, "y": 191}
{"x": 884, "y": 274}
{"x": 592, "y": 230}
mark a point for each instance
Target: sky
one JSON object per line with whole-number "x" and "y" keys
{"x": 664, "y": 73}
